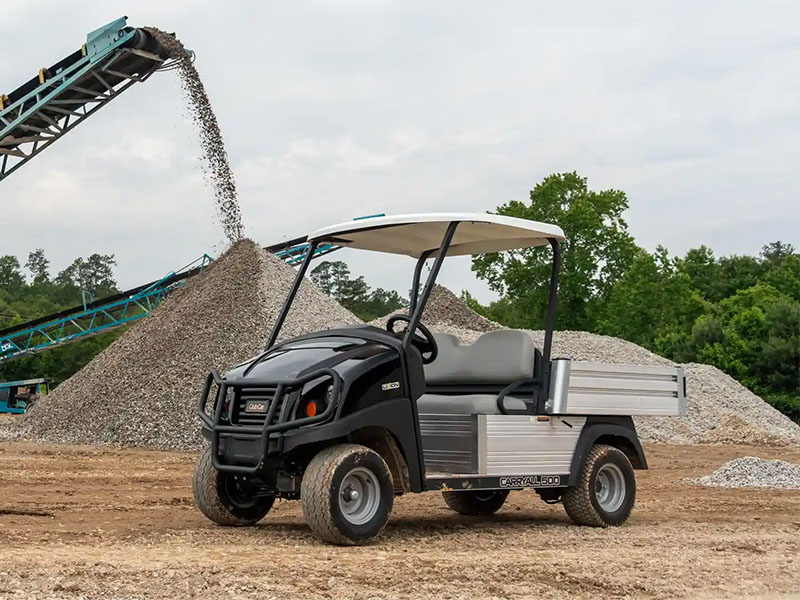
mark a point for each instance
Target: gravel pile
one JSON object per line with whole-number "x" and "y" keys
{"x": 445, "y": 307}
{"x": 750, "y": 471}
{"x": 215, "y": 158}
{"x": 446, "y": 310}
{"x": 720, "y": 409}
{"x": 142, "y": 390}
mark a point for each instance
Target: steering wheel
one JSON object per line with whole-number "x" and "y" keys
{"x": 425, "y": 343}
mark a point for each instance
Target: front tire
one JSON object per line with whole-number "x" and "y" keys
{"x": 224, "y": 498}
{"x": 606, "y": 490}
{"x": 476, "y": 502}
{"x": 347, "y": 494}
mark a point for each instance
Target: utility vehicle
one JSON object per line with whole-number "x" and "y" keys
{"x": 346, "y": 419}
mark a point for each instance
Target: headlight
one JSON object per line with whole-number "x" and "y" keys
{"x": 227, "y": 408}
{"x": 315, "y": 401}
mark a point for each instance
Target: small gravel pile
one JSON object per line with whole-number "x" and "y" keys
{"x": 750, "y": 471}
{"x": 215, "y": 158}
{"x": 143, "y": 389}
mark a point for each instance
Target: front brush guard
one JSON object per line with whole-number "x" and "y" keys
{"x": 283, "y": 387}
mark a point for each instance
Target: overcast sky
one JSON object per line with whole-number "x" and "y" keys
{"x": 336, "y": 109}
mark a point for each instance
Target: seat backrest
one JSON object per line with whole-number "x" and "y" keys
{"x": 501, "y": 356}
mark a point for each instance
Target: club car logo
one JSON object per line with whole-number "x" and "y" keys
{"x": 392, "y": 385}
{"x": 530, "y": 481}
{"x": 256, "y": 406}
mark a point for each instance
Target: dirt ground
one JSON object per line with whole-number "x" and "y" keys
{"x": 103, "y": 523}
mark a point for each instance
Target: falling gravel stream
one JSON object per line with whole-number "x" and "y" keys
{"x": 216, "y": 168}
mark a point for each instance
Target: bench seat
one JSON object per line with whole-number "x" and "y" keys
{"x": 496, "y": 359}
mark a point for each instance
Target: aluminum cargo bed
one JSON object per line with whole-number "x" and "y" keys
{"x": 588, "y": 388}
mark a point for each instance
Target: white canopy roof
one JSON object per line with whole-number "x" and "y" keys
{"x": 415, "y": 234}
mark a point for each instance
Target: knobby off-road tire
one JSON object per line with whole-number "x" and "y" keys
{"x": 474, "y": 503}
{"x": 223, "y": 497}
{"x": 333, "y": 511}
{"x": 606, "y": 490}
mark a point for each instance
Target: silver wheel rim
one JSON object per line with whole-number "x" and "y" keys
{"x": 609, "y": 487}
{"x": 359, "y": 496}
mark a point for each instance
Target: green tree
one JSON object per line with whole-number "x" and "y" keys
{"x": 653, "y": 303}
{"x": 776, "y": 252}
{"x": 738, "y": 273}
{"x": 778, "y": 364}
{"x": 597, "y": 252}
{"x": 39, "y": 266}
{"x": 11, "y": 277}
{"x": 717, "y": 279}
{"x": 382, "y": 302}
{"x": 330, "y": 276}
{"x": 353, "y": 294}
{"x": 94, "y": 274}
{"x": 754, "y": 337}
{"x": 703, "y": 271}
{"x": 785, "y": 276}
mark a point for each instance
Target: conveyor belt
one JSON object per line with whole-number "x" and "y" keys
{"x": 51, "y": 104}
{"x": 92, "y": 318}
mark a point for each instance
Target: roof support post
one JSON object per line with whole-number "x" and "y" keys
{"x": 416, "y": 315}
{"x": 276, "y": 329}
{"x": 549, "y": 324}
{"x": 415, "y": 283}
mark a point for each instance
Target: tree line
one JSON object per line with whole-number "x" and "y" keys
{"x": 354, "y": 294}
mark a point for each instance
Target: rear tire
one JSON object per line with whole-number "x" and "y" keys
{"x": 606, "y": 490}
{"x": 476, "y": 502}
{"x": 224, "y": 498}
{"x": 347, "y": 494}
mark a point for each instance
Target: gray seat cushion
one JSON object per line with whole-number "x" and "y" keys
{"x": 501, "y": 356}
{"x": 467, "y": 404}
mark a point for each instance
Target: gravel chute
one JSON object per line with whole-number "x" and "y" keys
{"x": 216, "y": 168}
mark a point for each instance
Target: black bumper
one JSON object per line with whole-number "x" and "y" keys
{"x": 242, "y": 448}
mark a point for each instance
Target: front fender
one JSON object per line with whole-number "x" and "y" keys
{"x": 395, "y": 415}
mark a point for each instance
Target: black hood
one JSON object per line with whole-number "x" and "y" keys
{"x": 296, "y": 357}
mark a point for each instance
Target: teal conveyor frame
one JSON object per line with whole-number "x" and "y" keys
{"x": 61, "y": 97}
{"x": 94, "y": 318}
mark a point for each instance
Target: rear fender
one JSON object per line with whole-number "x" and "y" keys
{"x": 613, "y": 431}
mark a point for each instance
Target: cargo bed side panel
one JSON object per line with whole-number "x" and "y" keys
{"x": 517, "y": 444}
{"x": 586, "y": 388}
